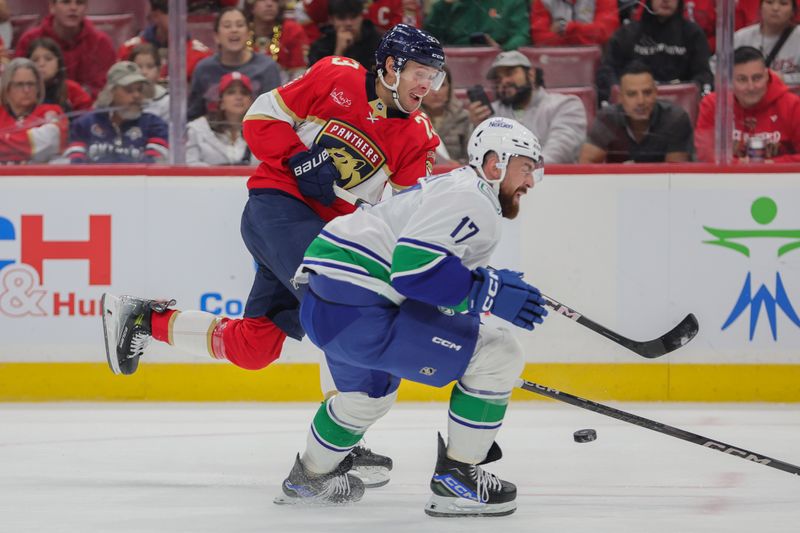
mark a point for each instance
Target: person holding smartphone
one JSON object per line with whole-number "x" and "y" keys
{"x": 558, "y": 120}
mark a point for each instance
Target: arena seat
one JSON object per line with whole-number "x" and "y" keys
{"x": 469, "y": 64}
{"x": 588, "y": 96}
{"x": 28, "y": 7}
{"x": 138, "y": 9}
{"x": 119, "y": 27}
{"x": 201, "y": 27}
{"x": 686, "y": 95}
{"x": 565, "y": 66}
{"x": 19, "y": 25}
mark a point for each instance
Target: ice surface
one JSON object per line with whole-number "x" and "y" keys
{"x": 155, "y": 467}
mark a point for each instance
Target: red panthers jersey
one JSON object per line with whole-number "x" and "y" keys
{"x": 335, "y": 105}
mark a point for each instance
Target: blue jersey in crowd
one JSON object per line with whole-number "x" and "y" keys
{"x": 95, "y": 139}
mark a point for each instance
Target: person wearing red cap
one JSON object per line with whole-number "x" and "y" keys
{"x": 216, "y": 138}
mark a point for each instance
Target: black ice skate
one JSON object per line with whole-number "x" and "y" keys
{"x": 335, "y": 488}
{"x": 371, "y": 468}
{"x": 462, "y": 489}
{"x": 126, "y": 326}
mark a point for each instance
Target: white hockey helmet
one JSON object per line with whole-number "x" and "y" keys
{"x": 507, "y": 138}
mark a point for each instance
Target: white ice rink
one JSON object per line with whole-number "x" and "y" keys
{"x": 120, "y": 468}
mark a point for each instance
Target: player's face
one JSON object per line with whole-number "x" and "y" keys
{"x": 750, "y": 82}
{"x": 436, "y": 101}
{"x": 68, "y": 13}
{"x": 46, "y": 62}
{"x": 236, "y": 101}
{"x": 232, "y": 32}
{"x": 519, "y": 178}
{"x": 416, "y": 81}
{"x": 637, "y": 94}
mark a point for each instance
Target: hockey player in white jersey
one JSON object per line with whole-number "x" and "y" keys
{"x": 395, "y": 292}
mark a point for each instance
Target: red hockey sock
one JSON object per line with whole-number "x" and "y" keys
{"x": 250, "y": 343}
{"x": 159, "y": 323}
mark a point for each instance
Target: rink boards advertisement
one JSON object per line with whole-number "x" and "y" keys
{"x": 634, "y": 252}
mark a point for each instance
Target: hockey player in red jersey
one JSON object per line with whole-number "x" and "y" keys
{"x": 337, "y": 125}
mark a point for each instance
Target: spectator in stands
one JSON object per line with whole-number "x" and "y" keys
{"x": 6, "y": 31}
{"x": 280, "y": 38}
{"x": 674, "y": 48}
{"x": 386, "y": 14}
{"x": 766, "y": 114}
{"x": 30, "y": 131}
{"x": 209, "y": 6}
{"x": 231, "y": 32}
{"x": 348, "y": 35}
{"x": 701, "y": 12}
{"x": 88, "y": 52}
{"x": 450, "y": 121}
{"x": 311, "y": 15}
{"x": 216, "y": 138}
{"x": 147, "y": 59}
{"x": 782, "y": 53}
{"x": 118, "y": 131}
{"x": 641, "y": 128}
{"x": 499, "y": 23}
{"x": 573, "y": 22}
{"x": 558, "y": 120}
{"x": 157, "y": 34}
{"x": 58, "y": 89}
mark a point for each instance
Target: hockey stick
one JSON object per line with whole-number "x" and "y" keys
{"x": 349, "y": 197}
{"x": 657, "y": 426}
{"x": 672, "y": 340}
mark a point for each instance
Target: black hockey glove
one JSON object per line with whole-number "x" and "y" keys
{"x": 315, "y": 174}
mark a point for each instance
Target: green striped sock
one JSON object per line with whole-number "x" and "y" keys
{"x": 477, "y": 410}
{"x": 334, "y": 434}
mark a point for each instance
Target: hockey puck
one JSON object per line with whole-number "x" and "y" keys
{"x": 584, "y": 435}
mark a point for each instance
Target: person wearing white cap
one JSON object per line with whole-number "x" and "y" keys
{"x": 118, "y": 131}
{"x": 558, "y": 120}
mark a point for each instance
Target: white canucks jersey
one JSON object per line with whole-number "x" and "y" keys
{"x": 449, "y": 215}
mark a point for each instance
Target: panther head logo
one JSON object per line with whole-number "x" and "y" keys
{"x": 348, "y": 166}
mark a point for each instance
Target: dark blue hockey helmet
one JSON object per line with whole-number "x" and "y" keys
{"x": 404, "y": 42}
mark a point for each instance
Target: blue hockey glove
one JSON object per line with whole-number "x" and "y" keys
{"x": 505, "y": 295}
{"x": 315, "y": 174}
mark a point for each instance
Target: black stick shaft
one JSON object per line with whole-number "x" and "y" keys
{"x": 658, "y": 426}
{"x": 572, "y": 314}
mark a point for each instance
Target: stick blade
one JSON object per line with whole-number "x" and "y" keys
{"x": 670, "y": 341}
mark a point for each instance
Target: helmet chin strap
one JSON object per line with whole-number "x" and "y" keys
{"x": 393, "y": 89}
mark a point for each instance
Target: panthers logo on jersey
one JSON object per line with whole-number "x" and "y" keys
{"x": 356, "y": 157}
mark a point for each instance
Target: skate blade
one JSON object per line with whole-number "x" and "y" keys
{"x": 283, "y": 499}
{"x": 110, "y": 305}
{"x": 372, "y": 476}
{"x": 447, "y": 507}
